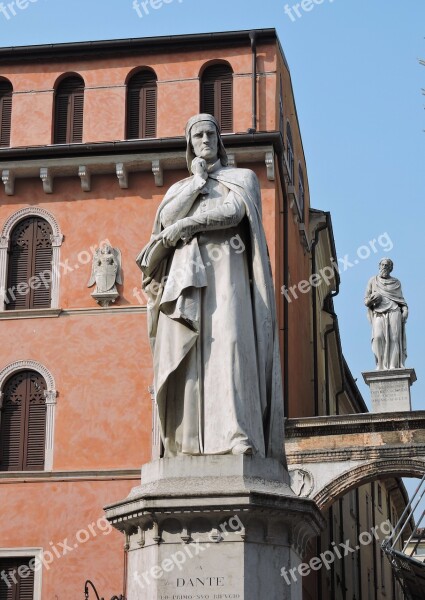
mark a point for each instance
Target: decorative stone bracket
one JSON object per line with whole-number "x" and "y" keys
{"x": 121, "y": 166}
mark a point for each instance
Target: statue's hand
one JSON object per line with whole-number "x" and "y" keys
{"x": 199, "y": 167}
{"x": 404, "y": 314}
{"x": 375, "y": 299}
{"x": 172, "y": 234}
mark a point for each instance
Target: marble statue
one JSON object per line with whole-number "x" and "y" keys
{"x": 388, "y": 314}
{"x": 106, "y": 273}
{"x": 211, "y": 309}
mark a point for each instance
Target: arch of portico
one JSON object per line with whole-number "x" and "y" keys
{"x": 329, "y": 456}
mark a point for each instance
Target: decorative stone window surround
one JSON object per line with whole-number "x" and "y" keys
{"x": 57, "y": 239}
{"x": 50, "y": 395}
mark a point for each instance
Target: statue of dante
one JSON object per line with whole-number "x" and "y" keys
{"x": 211, "y": 309}
{"x": 388, "y": 314}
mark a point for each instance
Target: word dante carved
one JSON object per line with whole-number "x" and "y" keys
{"x": 200, "y": 581}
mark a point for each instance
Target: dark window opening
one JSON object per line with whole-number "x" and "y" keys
{"x": 23, "y": 423}
{"x": 142, "y": 105}
{"x": 6, "y": 91}
{"x": 217, "y": 95}
{"x": 69, "y": 111}
{"x": 29, "y": 265}
{"x": 290, "y": 152}
{"x": 17, "y": 581}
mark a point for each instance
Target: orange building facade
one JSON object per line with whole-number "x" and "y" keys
{"x": 95, "y": 360}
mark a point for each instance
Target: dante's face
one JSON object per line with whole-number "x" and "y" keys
{"x": 205, "y": 140}
{"x": 385, "y": 268}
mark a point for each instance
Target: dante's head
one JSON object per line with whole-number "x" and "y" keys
{"x": 386, "y": 266}
{"x": 204, "y": 140}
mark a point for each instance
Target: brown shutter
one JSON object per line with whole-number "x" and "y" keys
{"x": 142, "y": 106}
{"x": 77, "y": 112}
{"x": 24, "y": 589}
{"x": 217, "y": 95}
{"x": 23, "y": 423}
{"x": 69, "y": 111}
{"x": 149, "y": 129}
{"x": 5, "y": 120}
{"x": 7, "y": 566}
{"x": 225, "y": 91}
{"x": 13, "y": 423}
{"x": 19, "y": 267}
{"x": 35, "y": 423}
{"x": 208, "y": 95}
{"x": 61, "y": 119}
{"x": 6, "y": 91}
{"x": 42, "y": 264}
{"x": 30, "y": 254}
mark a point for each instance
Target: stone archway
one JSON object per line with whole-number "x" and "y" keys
{"x": 365, "y": 473}
{"x": 332, "y": 455}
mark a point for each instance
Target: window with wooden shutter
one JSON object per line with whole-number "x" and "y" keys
{"x": 217, "y": 95}
{"x": 69, "y": 111}
{"x": 23, "y": 423}
{"x": 301, "y": 191}
{"x": 30, "y": 265}
{"x": 290, "y": 152}
{"x": 142, "y": 105}
{"x": 12, "y": 586}
{"x": 6, "y": 91}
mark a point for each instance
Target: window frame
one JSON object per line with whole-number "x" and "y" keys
{"x": 5, "y": 236}
{"x": 21, "y": 553}
{"x": 142, "y": 103}
{"x": 50, "y": 395}
{"x": 203, "y": 78}
{"x": 301, "y": 192}
{"x": 71, "y": 109}
{"x": 290, "y": 154}
{"x": 8, "y": 94}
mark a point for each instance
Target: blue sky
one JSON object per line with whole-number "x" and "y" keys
{"x": 358, "y": 87}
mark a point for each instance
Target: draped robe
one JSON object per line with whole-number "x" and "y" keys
{"x": 388, "y": 330}
{"x": 212, "y": 323}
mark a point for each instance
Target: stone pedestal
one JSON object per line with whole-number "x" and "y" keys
{"x": 390, "y": 390}
{"x": 215, "y": 528}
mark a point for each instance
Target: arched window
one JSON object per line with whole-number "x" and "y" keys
{"x": 6, "y": 90}
{"x": 301, "y": 190}
{"x": 217, "y": 95}
{"x": 29, "y": 271}
{"x": 141, "y": 105}
{"x": 290, "y": 152}
{"x": 23, "y": 422}
{"x": 69, "y": 111}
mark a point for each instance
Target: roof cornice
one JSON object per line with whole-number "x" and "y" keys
{"x": 160, "y": 44}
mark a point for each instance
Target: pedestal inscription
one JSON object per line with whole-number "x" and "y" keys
{"x": 390, "y": 390}
{"x": 214, "y": 528}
